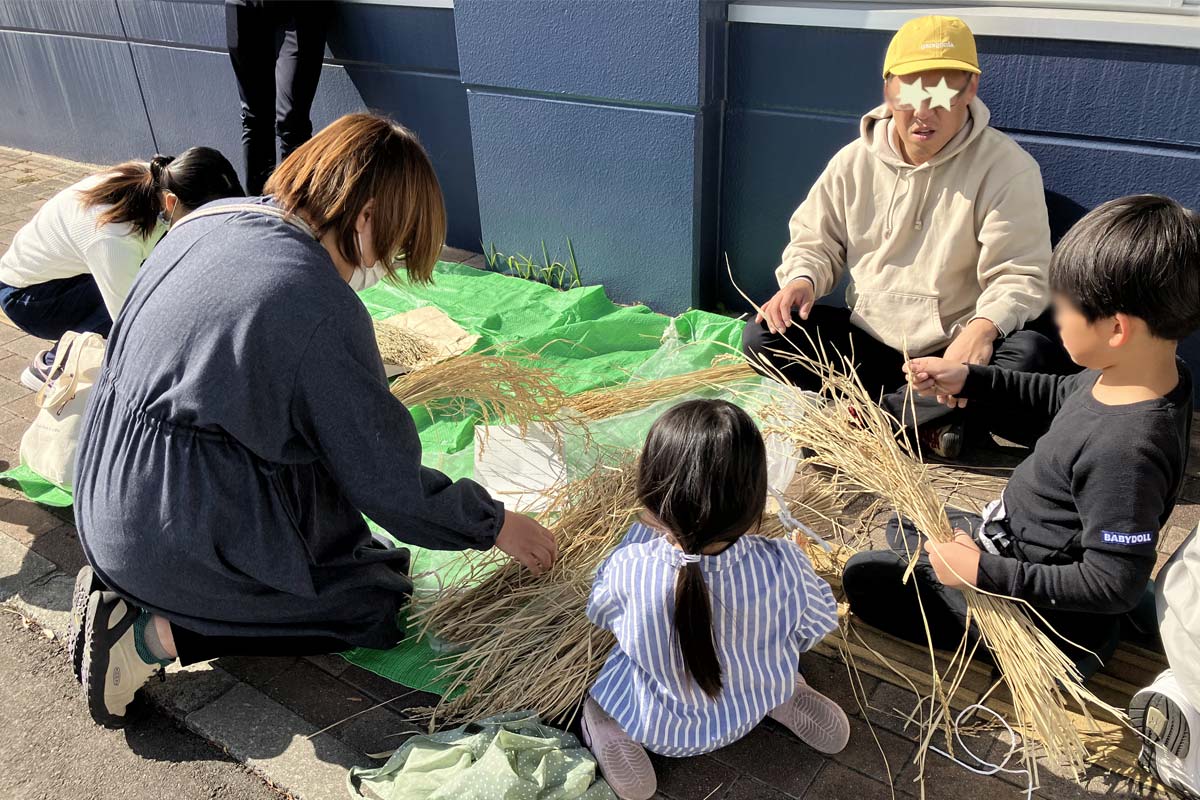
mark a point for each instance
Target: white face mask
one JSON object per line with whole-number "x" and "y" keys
{"x": 364, "y": 277}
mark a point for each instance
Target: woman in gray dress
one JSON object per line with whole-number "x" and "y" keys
{"x": 242, "y": 427}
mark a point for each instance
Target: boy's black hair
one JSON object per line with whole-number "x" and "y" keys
{"x": 703, "y": 475}
{"x": 1136, "y": 255}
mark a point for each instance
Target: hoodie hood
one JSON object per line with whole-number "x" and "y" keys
{"x": 873, "y": 130}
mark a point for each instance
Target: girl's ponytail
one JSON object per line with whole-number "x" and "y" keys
{"x": 132, "y": 193}
{"x": 693, "y": 629}
{"x": 703, "y": 477}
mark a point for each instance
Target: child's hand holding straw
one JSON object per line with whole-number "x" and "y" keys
{"x": 937, "y": 376}
{"x": 955, "y": 563}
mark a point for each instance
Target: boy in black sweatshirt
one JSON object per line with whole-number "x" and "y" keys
{"x": 1074, "y": 533}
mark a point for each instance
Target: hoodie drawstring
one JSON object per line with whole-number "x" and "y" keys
{"x": 919, "y": 223}
{"x": 887, "y": 231}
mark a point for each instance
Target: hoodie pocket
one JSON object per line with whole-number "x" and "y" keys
{"x": 902, "y": 321}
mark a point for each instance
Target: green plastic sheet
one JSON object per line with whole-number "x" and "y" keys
{"x": 580, "y": 335}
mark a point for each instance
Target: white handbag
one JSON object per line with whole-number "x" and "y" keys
{"x": 48, "y": 447}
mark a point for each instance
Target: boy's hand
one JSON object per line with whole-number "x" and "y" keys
{"x": 955, "y": 563}
{"x": 939, "y": 377}
{"x": 777, "y": 312}
{"x": 528, "y": 542}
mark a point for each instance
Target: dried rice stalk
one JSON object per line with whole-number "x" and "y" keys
{"x": 614, "y": 400}
{"x": 501, "y": 388}
{"x": 528, "y": 642}
{"x": 853, "y": 436}
{"x": 403, "y": 347}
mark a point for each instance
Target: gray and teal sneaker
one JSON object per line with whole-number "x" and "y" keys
{"x": 116, "y": 660}
{"x": 86, "y": 584}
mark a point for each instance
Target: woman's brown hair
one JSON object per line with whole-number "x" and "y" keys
{"x": 133, "y": 190}
{"x": 703, "y": 476}
{"x": 359, "y": 158}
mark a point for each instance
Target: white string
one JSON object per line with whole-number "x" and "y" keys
{"x": 792, "y": 524}
{"x": 991, "y": 769}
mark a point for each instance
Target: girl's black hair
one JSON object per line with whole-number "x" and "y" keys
{"x": 703, "y": 475}
{"x": 133, "y": 190}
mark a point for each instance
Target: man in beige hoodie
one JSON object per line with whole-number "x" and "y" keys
{"x": 940, "y": 221}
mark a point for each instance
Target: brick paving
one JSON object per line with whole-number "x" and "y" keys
{"x": 319, "y": 691}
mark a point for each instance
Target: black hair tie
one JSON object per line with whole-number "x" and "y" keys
{"x": 157, "y": 165}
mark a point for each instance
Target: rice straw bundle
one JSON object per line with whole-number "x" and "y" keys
{"x": 611, "y": 401}
{"x": 500, "y": 387}
{"x": 403, "y": 347}
{"x": 528, "y": 642}
{"x": 856, "y": 438}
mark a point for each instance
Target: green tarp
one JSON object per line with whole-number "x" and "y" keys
{"x": 584, "y": 338}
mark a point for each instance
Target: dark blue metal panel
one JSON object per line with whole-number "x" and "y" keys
{"x": 629, "y": 50}
{"x": 771, "y": 160}
{"x": 1127, "y": 93}
{"x": 418, "y": 39}
{"x": 619, "y": 181}
{"x": 71, "y": 97}
{"x": 435, "y": 107}
{"x": 199, "y": 23}
{"x": 96, "y": 17}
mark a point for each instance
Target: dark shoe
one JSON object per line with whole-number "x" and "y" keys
{"x": 86, "y": 584}
{"x": 38, "y": 372}
{"x": 944, "y": 440}
{"x": 113, "y": 669}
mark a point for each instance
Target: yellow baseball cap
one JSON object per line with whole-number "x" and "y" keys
{"x": 931, "y": 42}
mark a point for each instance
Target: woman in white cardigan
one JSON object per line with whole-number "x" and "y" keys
{"x": 71, "y": 266}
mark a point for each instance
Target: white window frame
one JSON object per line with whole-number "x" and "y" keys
{"x": 1167, "y": 23}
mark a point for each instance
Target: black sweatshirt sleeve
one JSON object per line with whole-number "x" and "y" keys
{"x": 1122, "y": 487}
{"x": 1030, "y": 399}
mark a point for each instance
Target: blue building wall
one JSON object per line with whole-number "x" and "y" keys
{"x": 652, "y": 133}
{"x": 108, "y": 80}
{"x": 599, "y": 122}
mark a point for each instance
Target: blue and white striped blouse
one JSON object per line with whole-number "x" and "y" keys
{"x": 768, "y": 606}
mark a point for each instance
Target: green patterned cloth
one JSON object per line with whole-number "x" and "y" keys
{"x": 506, "y": 757}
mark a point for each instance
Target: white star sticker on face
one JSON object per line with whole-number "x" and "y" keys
{"x": 940, "y": 95}
{"x": 912, "y": 94}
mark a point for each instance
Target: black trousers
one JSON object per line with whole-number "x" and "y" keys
{"x": 196, "y": 648}
{"x": 872, "y": 582}
{"x": 880, "y": 368}
{"x": 277, "y": 49}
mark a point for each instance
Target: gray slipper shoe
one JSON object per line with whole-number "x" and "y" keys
{"x": 623, "y": 761}
{"x": 815, "y": 719}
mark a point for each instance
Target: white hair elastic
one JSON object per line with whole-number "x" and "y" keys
{"x": 691, "y": 558}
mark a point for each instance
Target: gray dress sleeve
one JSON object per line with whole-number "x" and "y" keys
{"x": 342, "y": 407}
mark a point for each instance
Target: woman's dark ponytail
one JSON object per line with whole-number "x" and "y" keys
{"x": 157, "y": 165}
{"x": 131, "y": 193}
{"x": 693, "y": 629}
{"x": 133, "y": 190}
{"x": 703, "y": 476}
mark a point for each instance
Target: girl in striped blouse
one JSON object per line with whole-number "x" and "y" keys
{"x": 709, "y": 621}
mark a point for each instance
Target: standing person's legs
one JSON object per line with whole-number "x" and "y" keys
{"x": 297, "y": 72}
{"x": 877, "y": 365}
{"x": 250, "y": 33}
